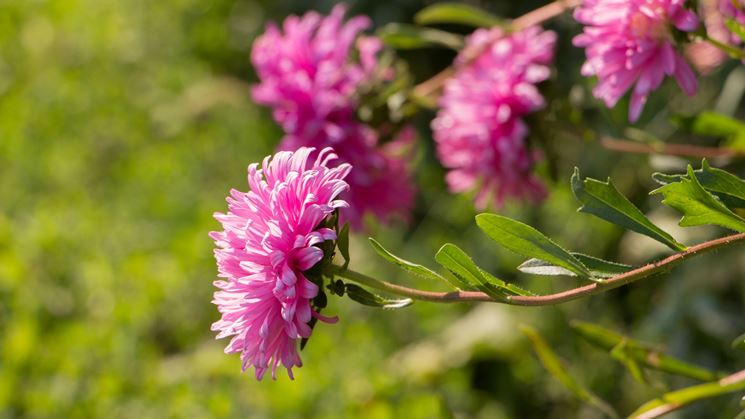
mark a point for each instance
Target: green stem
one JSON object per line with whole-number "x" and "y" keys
{"x": 729, "y": 49}
{"x": 543, "y": 300}
{"x": 680, "y": 398}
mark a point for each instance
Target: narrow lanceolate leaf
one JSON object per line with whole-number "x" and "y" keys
{"x": 365, "y": 297}
{"x": 529, "y": 242}
{"x": 698, "y": 206}
{"x": 599, "y": 268}
{"x": 455, "y": 260}
{"x": 627, "y": 350}
{"x": 414, "y": 268}
{"x": 342, "y": 243}
{"x": 507, "y": 287}
{"x": 457, "y": 13}
{"x": 553, "y": 364}
{"x": 603, "y": 200}
{"x": 674, "y": 400}
{"x": 623, "y": 355}
{"x": 729, "y": 188}
{"x": 402, "y": 36}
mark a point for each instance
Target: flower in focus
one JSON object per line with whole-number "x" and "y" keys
{"x": 310, "y": 73}
{"x": 268, "y": 240}
{"x": 479, "y": 130}
{"x": 630, "y": 42}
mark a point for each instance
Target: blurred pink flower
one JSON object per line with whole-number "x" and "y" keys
{"x": 735, "y": 10}
{"x": 479, "y": 130}
{"x": 704, "y": 56}
{"x": 269, "y": 239}
{"x": 310, "y": 78}
{"x": 629, "y": 42}
{"x": 381, "y": 176}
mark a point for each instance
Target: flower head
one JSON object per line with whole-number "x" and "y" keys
{"x": 630, "y": 43}
{"x": 269, "y": 238}
{"x": 307, "y": 71}
{"x": 479, "y": 130}
{"x": 311, "y": 72}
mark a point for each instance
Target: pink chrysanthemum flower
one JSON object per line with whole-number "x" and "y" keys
{"x": 269, "y": 239}
{"x": 479, "y": 130}
{"x": 630, "y": 42}
{"x": 381, "y": 178}
{"x": 310, "y": 74}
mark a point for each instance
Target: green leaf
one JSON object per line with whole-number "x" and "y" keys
{"x": 402, "y": 36}
{"x": 736, "y": 28}
{"x": 640, "y": 352}
{"x": 529, "y": 242}
{"x": 716, "y": 125}
{"x": 455, "y": 260}
{"x": 457, "y": 13}
{"x": 729, "y": 188}
{"x": 674, "y": 400}
{"x": 507, "y": 287}
{"x": 603, "y": 200}
{"x": 553, "y": 364}
{"x": 599, "y": 268}
{"x": 621, "y": 353}
{"x": 539, "y": 267}
{"x": 739, "y": 342}
{"x": 698, "y": 206}
{"x": 362, "y": 296}
{"x": 342, "y": 243}
{"x": 414, "y": 268}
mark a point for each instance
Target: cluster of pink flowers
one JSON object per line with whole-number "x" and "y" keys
{"x": 311, "y": 73}
{"x": 268, "y": 240}
{"x": 630, "y": 43}
{"x": 310, "y": 78}
{"x": 479, "y": 130}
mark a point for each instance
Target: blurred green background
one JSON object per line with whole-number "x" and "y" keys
{"x": 123, "y": 124}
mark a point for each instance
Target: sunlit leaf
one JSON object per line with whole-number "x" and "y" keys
{"x": 599, "y": 268}
{"x": 529, "y": 242}
{"x": 553, "y": 364}
{"x": 362, "y": 296}
{"x": 414, "y": 268}
{"x": 698, "y": 206}
{"x": 455, "y": 260}
{"x": 457, "y": 13}
{"x": 603, "y": 200}
{"x": 402, "y": 36}
{"x": 729, "y": 188}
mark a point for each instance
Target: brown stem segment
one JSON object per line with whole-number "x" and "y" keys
{"x": 550, "y": 299}
{"x": 532, "y": 18}
{"x": 682, "y": 150}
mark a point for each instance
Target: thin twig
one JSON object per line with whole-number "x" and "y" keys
{"x": 434, "y": 84}
{"x": 550, "y": 299}
{"x": 683, "y": 150}
{"x": 683, "y": 397}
